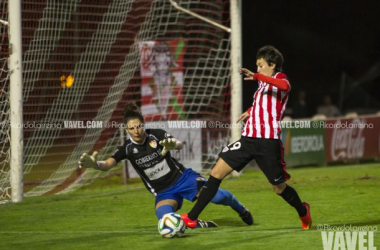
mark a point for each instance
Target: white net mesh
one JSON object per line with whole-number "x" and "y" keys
{"x": 174, "y": 66}
{"x": 4, "y": 106}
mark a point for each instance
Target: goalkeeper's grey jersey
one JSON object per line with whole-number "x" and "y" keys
{"x": 157, "y": 172}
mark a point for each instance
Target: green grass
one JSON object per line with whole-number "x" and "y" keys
{"x": 108, "y": 215}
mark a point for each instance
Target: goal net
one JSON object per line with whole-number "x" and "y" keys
{"x": 4, "y": 107}
{"x": 84, "y": 60}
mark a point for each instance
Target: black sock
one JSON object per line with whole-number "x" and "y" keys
{"x": 208, "y": 192}
{"x": 290, "y": 196}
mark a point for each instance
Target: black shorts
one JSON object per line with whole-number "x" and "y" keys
{"x": 268, "y": 153}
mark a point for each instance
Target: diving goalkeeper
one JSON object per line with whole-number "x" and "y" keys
{"x": 167, "y": 179}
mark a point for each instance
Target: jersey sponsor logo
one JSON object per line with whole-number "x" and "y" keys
{"x": 135, "y": 150}
{"x": 153, "y": 143}
{"x": 159, "y": 170}
{"x": 147, "y": 158}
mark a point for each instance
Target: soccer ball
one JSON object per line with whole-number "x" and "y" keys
{"x": 171, "y": 225}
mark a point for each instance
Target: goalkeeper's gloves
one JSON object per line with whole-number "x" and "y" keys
{"x": 168, "y": 144}
{"x": 87, "y": 161}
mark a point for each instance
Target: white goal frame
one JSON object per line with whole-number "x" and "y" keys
{"x": 16, "y": 83}
{"x": 16, "y": 101}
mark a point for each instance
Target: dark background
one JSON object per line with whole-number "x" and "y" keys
{"x": 321, "y": 41}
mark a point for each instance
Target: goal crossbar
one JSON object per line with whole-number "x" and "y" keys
{"x": 178, "y": 7}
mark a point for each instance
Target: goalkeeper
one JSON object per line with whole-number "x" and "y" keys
{"x": 167, "y": 179}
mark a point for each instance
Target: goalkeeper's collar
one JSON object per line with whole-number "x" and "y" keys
{"x": 134, "y": 142}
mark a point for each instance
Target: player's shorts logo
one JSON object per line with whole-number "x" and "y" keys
{"x": 201, "y": 179}
{"x": 153, "y": 144}
{"x": 200, "y": 182}
{"x": 225, "y": 149}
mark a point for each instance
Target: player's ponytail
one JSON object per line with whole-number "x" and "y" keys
{"x": 131, "y": 111}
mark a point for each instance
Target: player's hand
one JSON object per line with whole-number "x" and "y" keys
{"x": 168, "y": 144}
{"x": 243, "y": 117}
{"x": 249, "y": 75}
{"x": 87, "y": 161}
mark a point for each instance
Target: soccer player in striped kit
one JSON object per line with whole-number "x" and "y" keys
{"x": 260, "y": 138}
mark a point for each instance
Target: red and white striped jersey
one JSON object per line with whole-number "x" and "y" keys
{"x": 267, "y": 110}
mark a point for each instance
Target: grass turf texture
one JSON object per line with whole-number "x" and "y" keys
{"x": 108, "y": 215}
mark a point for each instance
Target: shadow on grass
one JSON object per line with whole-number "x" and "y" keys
{"x": 230, "y": 222}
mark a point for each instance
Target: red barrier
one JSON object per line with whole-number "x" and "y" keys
{"x": 351, "y": 139}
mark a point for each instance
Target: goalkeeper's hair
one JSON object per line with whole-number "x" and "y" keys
{"x": 271, "y": 55}
{"x": 131, "y": 111}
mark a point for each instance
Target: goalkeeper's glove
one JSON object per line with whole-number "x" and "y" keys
{"x": 168, "y": 144}
{"x": 87, "y": 161}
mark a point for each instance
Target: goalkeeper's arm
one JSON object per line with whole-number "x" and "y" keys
{"x": 87, "y": 161}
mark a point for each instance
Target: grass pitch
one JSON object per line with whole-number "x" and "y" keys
{"x": 108, "y": 215}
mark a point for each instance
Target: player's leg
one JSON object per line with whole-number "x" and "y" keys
{"x": 290, "y": 195}
{"x": 232, "y": 157}
{"x": 165, "y": 206}
{"x": 170, "y": 206}
{"x": 271, "y": 162}
{"x": 226, "y": 198}
{"x": 171, "y": 199}
{"x": 220, "y": 170}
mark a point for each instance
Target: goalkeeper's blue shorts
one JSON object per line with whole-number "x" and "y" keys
{"x": 186, "y": 187}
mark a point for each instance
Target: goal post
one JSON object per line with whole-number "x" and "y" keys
{"x": 16, "y": 100}
{"x": 236, "y": 62}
